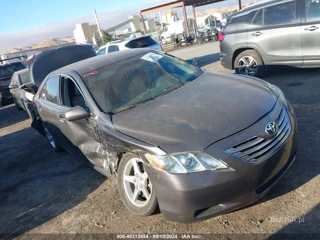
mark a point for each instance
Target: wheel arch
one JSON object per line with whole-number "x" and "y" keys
{"x": 242, "y": 49}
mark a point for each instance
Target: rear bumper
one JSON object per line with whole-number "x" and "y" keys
{"x": 226, "y": 62}
{"x": 226, "y": 55}
{"x": 198, "y": 196}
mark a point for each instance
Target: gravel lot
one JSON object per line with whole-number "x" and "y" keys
{"x": 43, "y": 192}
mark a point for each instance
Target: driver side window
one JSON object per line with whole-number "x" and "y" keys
{"x": 71, "y": 95}
{"x": 50, "y": 90}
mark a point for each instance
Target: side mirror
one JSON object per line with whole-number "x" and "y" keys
{"x": 192, "y": 61}
{"x": 76, "y": 113}
{"x": 12, "y": 86}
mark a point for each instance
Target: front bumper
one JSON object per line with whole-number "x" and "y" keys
{"x": 198, "y": 196}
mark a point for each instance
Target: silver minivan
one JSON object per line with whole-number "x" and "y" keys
{"x": 285, "y": 32}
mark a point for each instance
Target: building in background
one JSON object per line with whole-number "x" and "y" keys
{"x": 135, "y": 24}
{"x": 86, "y": 33}
{"x": 169, "y": 17}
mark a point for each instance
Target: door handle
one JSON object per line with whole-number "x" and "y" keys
{"x": 312, "y": 28}
{"x": 39, "y": 107}
{"x": 256, "y": 34}
{"x": 62, "y": 118}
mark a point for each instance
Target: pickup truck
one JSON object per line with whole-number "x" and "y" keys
{"x": 43, "y": 63}
{"x": 6, "y": 72}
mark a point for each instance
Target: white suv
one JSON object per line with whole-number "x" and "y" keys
{"x": 140, "y": 42}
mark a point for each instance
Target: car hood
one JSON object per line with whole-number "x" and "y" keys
{"x": 191, "y": 118}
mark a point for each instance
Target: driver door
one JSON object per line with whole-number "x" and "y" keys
{"x": 80, "y": 136}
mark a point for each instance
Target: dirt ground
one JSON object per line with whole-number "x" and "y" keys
{"x": 47, "y": 194}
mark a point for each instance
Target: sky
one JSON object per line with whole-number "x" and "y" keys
{"x": 26, "y": 22}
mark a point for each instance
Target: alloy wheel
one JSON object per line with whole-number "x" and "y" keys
{"x": 137, "y": 184}
{"x": 247, "y": 65}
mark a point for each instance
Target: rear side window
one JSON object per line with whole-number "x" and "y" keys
{"x": 284, "y": 13}
{"x": 243, "y": 18}
{"x": 312, "y": 10}
{"x": 113, "y": 48}
{"x": 141, "y": 43}
{"x": 258, "y": 18}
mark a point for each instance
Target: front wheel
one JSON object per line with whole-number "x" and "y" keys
{"x": 249, "y": 63}
{"x": 135, "y": 187}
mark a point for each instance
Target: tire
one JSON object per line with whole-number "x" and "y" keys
{"x": 53, "y": 143}
{"x": 250, "y": 63}
{"x": 140, "y": 205}
{"x": 3, "y": 102}
{"x": 163, "y": 41}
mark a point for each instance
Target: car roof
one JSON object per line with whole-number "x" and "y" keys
{"x": 257, "y": 6}
{"x": 122, "y": 41}
{"x": 90, "y": 64}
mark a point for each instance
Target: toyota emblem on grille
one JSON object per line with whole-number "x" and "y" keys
{"x": 271, "y": 128}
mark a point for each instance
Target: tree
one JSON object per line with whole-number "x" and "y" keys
{"x": 106, "y": 37}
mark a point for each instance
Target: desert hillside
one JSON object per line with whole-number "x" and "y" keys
{"x": 43, "y": 44}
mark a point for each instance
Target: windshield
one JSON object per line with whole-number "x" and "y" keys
{"x": 137, "y": 80}
{"x": 8, "y": 70}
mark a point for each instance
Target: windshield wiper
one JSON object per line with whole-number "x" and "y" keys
{"x": 131, "y": 106}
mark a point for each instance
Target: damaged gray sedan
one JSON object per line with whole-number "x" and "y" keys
{"x": 195, "y": 144}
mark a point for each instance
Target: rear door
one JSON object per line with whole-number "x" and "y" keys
{"x": 48, "y": 105}
{"x": 275, "y": 32}
{"x": 310, "y": 29}
{"x": 15, "y": 90}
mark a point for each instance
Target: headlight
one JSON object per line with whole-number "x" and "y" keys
{"x": 186, "y": 162}
{"x": 277, "y": 91}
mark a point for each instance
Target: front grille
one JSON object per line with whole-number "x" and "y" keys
{"x": 257, "y": 149}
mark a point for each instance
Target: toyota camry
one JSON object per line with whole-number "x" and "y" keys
{"x": 194, "y": 143}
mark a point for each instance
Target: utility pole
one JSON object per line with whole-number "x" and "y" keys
{"x": 240, "y": 5}
{"x": 98, "y": 25}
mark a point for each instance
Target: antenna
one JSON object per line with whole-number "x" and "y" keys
{"x": 98, "y": 25}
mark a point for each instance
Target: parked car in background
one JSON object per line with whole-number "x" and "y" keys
{"x": 168, "y": 132}
{"x": 42, "y": 63}
{"x": 6, "y": 72}
{"x": 18, "y": 79}
{"x": 272, "y": 33}
{"x": 140, "y": 42}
